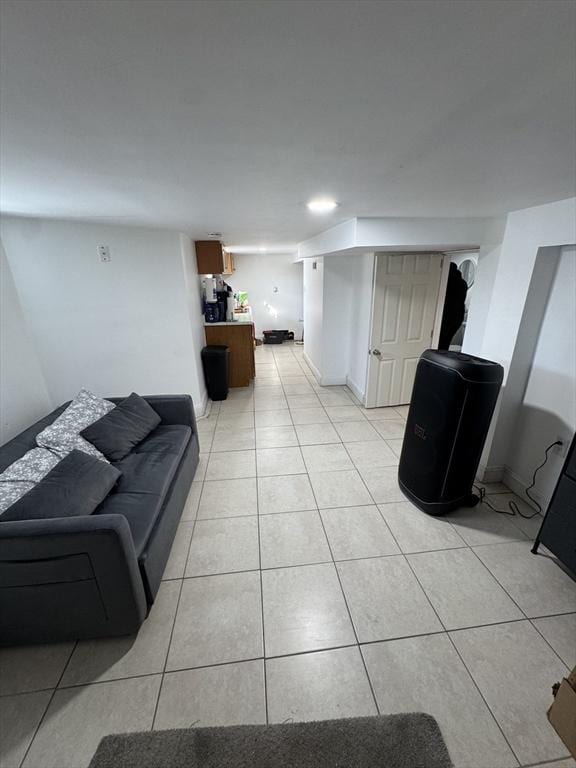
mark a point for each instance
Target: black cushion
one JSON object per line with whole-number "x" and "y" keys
{"x": 75, "y": 486}
{"x": 147, "y": 474}
{"x": 122, "y": 428}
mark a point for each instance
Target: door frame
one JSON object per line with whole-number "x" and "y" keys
{"x": 370, "y": 397}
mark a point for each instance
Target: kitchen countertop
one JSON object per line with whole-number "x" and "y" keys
{"x": 230, "y": 322}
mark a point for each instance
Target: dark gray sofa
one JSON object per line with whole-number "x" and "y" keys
{"x": 98, "y": 575}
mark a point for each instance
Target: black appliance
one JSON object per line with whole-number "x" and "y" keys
{"x": 211, "y": 312}
{"x": 222, "y": 302}
{"x": 452, "y": 404}
{"x": 215, "y": 361}
{"x": 558, "y": 530}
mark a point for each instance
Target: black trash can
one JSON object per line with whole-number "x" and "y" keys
{"x": 215, "y": 363}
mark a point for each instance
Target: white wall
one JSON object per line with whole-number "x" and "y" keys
{"x": 23, "y": 394}
{"x": 361, "y": 291}
{"x": 112, "y": 327}
{"x": 337, "y": 307}
{"x": 526, "y": 232}
{"x": 505, "y": 312}
{"x": 479, "y": 305}
{"x": 259, "y": 274}
{"x": 336, "y": 320}
{"x": 348, "y": 285}
{"x": 548, "y": 408}
{"x": 313, "y": 280}
{"x": 193, "y": 294}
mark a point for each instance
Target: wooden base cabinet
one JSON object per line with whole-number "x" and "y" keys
{"x": 239, "y": 338}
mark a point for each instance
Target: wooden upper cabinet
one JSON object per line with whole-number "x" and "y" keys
{"x": 209, "y": 257}
{"x": 212, "y": 259}
{"x": 228, "y": 263}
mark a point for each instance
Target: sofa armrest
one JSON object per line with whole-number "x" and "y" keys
{"x": 84, "y": 571}
{"x": 174, "y": 409}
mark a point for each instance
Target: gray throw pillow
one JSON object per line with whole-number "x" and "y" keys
{"x": 75, "y": 486}
{"x": 63, "y": 435}
{"x": 21, "y": 476}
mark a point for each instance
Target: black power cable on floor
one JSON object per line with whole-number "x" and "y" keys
{"x": 514, "y": 508}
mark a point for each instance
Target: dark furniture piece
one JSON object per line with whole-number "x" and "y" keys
{"x": 97, "y": 575}
{"x": 450, "y": 410}
{"x": 558, "y": 529}
{"x": 215, "y": 362}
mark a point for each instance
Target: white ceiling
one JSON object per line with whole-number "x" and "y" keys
{"x": 229, "y": 116}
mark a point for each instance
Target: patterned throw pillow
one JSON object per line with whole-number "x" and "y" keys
{"x": 21, "y": 476}
{"x": 62, "y": 436}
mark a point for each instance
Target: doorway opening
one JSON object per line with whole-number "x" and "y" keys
{"x": 459, "y": 290}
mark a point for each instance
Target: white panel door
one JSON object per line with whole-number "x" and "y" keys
{"x": 405, "y": 298}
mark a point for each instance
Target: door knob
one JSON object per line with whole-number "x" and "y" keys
{"x": 376, "y": 352}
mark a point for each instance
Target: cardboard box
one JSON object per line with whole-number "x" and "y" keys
{"x": 562, "y": 713}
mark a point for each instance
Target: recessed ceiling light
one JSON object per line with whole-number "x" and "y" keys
{"x": 322, "y": 205}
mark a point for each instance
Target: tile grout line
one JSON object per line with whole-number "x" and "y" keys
{"x": 265, "y": 673}
{"x": 347, "y": 606}
{"x": 450, "y": 639}
{"x": 522, "y": 611}
{"x": 50, "y": 700}
{"x": 361, "y": 644}
{"x": 447, "y": 633}
{"x": 318, "y": 562}
{"x": 545, "y": 639}
{"x": 179, "y": 596}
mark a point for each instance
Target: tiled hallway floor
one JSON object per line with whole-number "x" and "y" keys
{"x": 302, "y": 585}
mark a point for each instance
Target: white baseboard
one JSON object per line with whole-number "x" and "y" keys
{"x": 356, "y": 391}
{"x": 201, "y": 409}
{"x": 315, "y": 371}
{"x": 518, "y": 485}
{"x": 487, "y": 474}
{"x": 335, "y": 381}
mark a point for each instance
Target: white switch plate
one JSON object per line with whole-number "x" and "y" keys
{"x": 104, "y": 253}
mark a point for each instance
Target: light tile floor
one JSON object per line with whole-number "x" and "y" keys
{"x": 302, "y": 585}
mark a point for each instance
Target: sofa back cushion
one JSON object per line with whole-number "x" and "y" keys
{"x": 122, "y": 428}
{"x": 63, "y": 435}
{"x": 76, "y": 485}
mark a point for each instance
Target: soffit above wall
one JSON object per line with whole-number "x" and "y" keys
{"x": 360, "y": 235}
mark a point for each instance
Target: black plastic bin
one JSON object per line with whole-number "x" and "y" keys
{"x": 277, "y": 337}
{"x": 215, "y": 361}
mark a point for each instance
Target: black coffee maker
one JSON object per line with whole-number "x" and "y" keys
{"x": 222, "y": 303}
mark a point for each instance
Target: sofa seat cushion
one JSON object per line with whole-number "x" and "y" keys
{"x": 147, "y": 473}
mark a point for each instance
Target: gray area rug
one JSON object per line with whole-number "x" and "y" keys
{"x": 390, "y": 741}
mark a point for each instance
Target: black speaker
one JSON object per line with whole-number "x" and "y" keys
{"x": 452, "y": 403}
